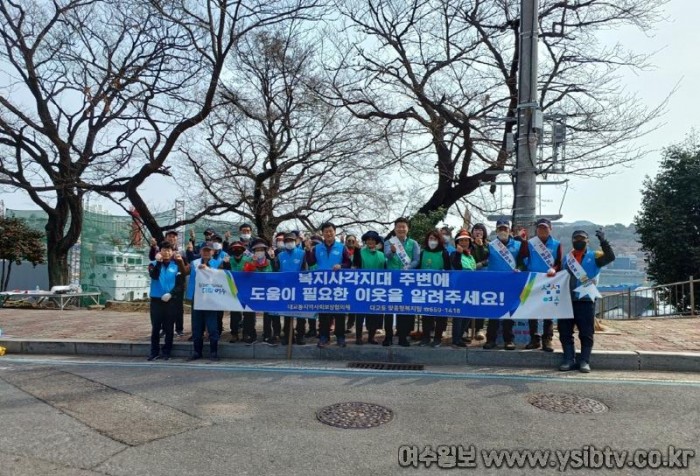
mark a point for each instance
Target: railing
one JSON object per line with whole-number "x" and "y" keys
{"x": 674, "y": 299}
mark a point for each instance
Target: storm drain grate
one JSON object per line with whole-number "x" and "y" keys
{"x": 354, "y": 415}
{"x": 384, "y": 366}
{"x": 566, "y": 403}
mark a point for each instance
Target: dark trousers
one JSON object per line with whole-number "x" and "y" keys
{"x": 220, "y": 321}
{"x": 235, "y": 319}
{"x": 200, "y": 320}
{"x": 430, "y": 324}
{"x": 179, "y": 306}
{"x": 313, "y": 325}
{"x": 300, "y": 327}
{"x": 458, "y": 327}
{"x": 162, "y": 317}
{"x": 373, "y": 321}
{"x": 249, "y": 325}
{"x": 272, "y": 326}
{"x": 547, "y": 328}
{"x": 584, "y": 320}
{"x": 352, "y": 319}
{"x": 492, "y": 330}
{"x": 404, "y": 325}
{"x": 324, "y": 325}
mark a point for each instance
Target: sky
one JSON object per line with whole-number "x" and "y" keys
{"x": 617, "y": 197}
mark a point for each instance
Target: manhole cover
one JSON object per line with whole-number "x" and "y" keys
{"x": 566, "y": 403}
{"x": 351, "y": 415}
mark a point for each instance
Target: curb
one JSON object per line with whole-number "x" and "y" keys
{"x": 610, "y": 360}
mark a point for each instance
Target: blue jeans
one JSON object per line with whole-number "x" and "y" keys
{"x": 200, "y": 319}
{"x": 584, "y": 320}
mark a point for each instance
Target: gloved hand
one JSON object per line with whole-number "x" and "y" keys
{"x": 600, "y": 234}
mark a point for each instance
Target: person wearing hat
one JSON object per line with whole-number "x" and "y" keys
{"x": 217, "y": 243}
{"x": 167, "y": 273}
{"x": 329, "y": 255}
{"x": 178, "y": 300}
{"x": 462, "y": 260}
{"x": 203, "y": 318}
{"x": 543, "y": 254}
{"x": 583, "y": 265}
{"x": 480, "y": 252}
{"x": 433, "y": 256}
{"x": 503, "y": 256}
{"x": 369, "y": 257}
{"x": 193, "y": 249}
{"x": 260, "y": 263}
{"x": 236, "y": 261}
{"x": 291, "y": 259}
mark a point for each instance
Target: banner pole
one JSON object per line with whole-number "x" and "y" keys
{"x": 290, "y": 337}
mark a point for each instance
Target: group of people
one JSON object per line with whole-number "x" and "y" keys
{"x": 508, "y": 251}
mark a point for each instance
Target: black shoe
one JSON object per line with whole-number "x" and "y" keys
{"x": 162, "y": 333}
{"x": 386, "y": 342}
{"x": 234, "y": 338}
{"x": 372, "y": 342}
{"x": 460, "y": 344}
{"x": 358, "y": 342}
{"x": 300, "y": 340}
{"x": 271, "y": 342}
{"x": 509, "y": 346}
{"x": 180, "y": 334}
{"x": 214, "y": 357}
{"x": 489, "y": 345}
{"x": 194, "y": 356}
{"x": 165, "y": 357}
{"x": 249, "y": 341}
{"x": 547, "y": 345}
{"x": 424, "y": 343}
{"x": 153, "y": 357}
{"x": 534, "y": 344}
{"x": 436, "y": 343}
{"x": 403, "y": 342}
{"x": 348, "y": 331}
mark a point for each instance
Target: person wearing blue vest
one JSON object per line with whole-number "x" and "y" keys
{"x": 167, "y": 274}
{"x": 329, "y": 255}
{"x": 583, "y": 264}
{"x": 203, "y": 318}
{"x": 291, "y": 259}
{"x": 503, "y": 256}
{"x": 543, "y": 254}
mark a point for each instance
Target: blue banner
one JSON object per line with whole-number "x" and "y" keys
{"x": 481, "y": 294}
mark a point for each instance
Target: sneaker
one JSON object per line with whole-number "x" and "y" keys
{"x": 348, "y": 330}
{"x": 194, "y": 356}
{"x": 547, "y": 345}
{"x": 162, "y": 333}
{"x": 584, "y": 367}
{"x": 467, "y": 339}
{"x": 509, "y": 346}
{"x": 322, "y": 342}
{"x": 180, "y": 334}
{"x": 214, "y": 357}
{"x": 234, "y": 338}
{"x": 249, "y": 340}
{"x": 489, "y": 345}
{"x": 436, "y": 343}
{"x": 403, "y": 342}
{"x": 272, "y": 342}
{"x": 386, "y": 342}
{"x": 341, "y": 342}
{"x": 460, "y": 344}
{"x": 153, "y": 357}
{"x": 165, "y": 357}
{"x": 534, "y": 344}
{"x": 481, "y": 335}
{"x": 424, "y": 343}
{"x": 567, "y": 365}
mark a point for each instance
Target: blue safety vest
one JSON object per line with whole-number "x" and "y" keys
{"x": 496, "y": 261}
{"x": 592, "y": 271}
{"x": 326, "y": 259}
{"x": 536, "y": 263}
{"x": 166, "y": 281}
{"x": 213, "y": 263}
{"x": 291, "y": 260}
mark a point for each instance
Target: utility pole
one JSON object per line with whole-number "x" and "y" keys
{"x": 529, "y": 119}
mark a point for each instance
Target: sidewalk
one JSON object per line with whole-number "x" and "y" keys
{"x": 620, "y": 339}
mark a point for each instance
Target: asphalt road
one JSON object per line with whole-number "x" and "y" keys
{"x": 79, "y": 416}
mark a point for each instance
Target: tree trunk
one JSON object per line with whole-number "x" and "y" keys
{"x": 59, "y": 239}
{"x": 6, "y": 277}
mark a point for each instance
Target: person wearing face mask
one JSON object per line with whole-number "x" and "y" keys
{"x": 279, "y": 243}
{"x": 480, "y": 251}
{"x": 167, "y": 273}
{"x": 462, "y": 260}
{"x": 260, "y": 263}
{"x": 245, "y": 235}
{"x": 504, "y": 255}
{"x": 434, "y": 256}
{"x": 236, "y": 262}
{"x": 351, "y": 246}
{"x": 583, "y": 265}
{"x": 291, "y": 259}
{"x": 202, "y": 319}
{"x": 219, "y": 255}
{"x": 402, "y": 253}
{"x": 369, "y": 257}
{"x": 543, "y": 254}
{"x": 171, "y": 237}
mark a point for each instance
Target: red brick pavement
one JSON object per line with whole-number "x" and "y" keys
{"x": 664, "y": 335}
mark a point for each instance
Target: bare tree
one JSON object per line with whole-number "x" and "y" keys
{"x": 443, "y": 76}
{"x": 279, "y": 153}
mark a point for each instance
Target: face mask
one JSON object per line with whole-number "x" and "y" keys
{"x": 579, "y": 245}
{"x": 503, "y": 235}
{"x": 238, "y": 253}
{"x": 217, "y": 246}
{"x": 432, "y": 244}
{"x": 290, "y": 245}
{"x": 280, "y": 244}
{"x": 259, "y": 255}
{"x": 245, "y": 236}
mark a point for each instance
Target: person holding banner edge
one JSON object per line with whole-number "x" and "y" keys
{"x": 584, "y": 265}
{"x": 204, "y": 318}
{"x": 434, "y": 256}
{"x": 238, "y": 259}
{"x": 543, "y": 254}
{"x": 368, "y": 257}
{"x": 462, "y": 260}
{"x": 401, "y": 252}
{"x": 503, "y": 255}
{"x": 329, "y": 255}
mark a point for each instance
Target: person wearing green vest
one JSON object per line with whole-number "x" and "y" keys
{"x": 434, "y": 256}
{"x": 368, "y": 257}
{"x": 236, "y": 262}
{"x": 401, "y": 252}
{"x": 462, "y": 260}
{"x": 260, "y": 263}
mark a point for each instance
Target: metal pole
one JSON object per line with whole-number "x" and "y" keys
{"x": 290, "y": 338}
{"x": 526, "y": 161}
{"x": 629, "y": 303}
{"x": 692, "y": 298}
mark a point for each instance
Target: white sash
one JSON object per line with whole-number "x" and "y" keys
{"x": 401, "y": 251}
{"x": 543, "y": 251}
{"x": 504, "y": 253}
{"x": 588, "y": 286}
